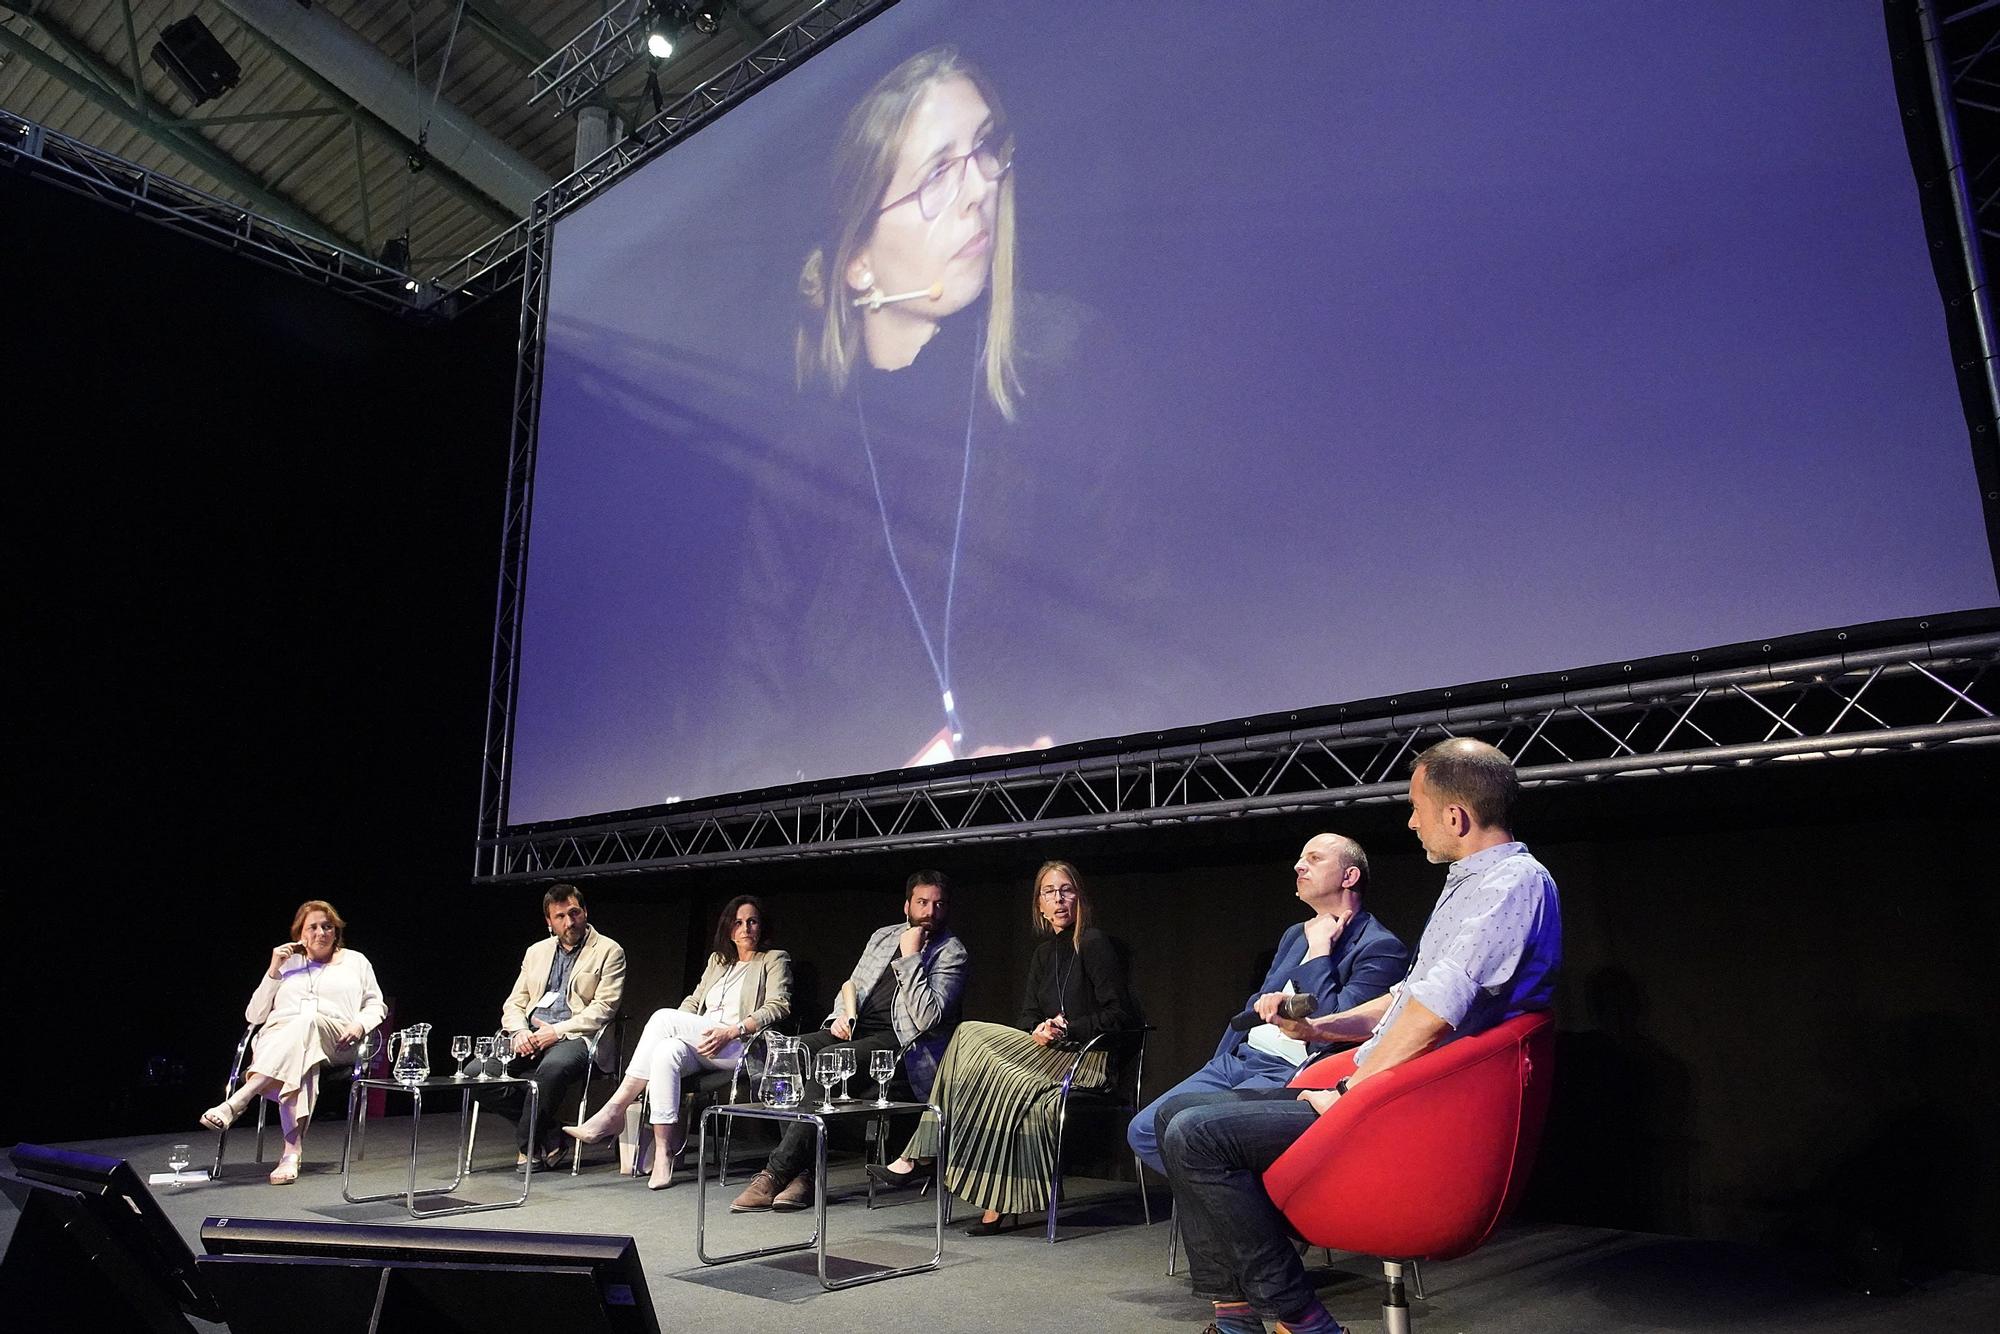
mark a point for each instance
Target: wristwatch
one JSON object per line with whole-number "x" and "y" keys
{"x": 1340, "y": 1086}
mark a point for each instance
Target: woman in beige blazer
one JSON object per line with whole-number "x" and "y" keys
{"x": 745, "y": 987}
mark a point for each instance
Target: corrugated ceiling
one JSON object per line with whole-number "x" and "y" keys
{"x": 290, "y": 149}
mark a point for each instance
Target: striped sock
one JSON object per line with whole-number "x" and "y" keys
{"x": 1315, "y": 1319}
{"x": 1236, "y": 1318}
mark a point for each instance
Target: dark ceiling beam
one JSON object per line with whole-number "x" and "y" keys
{"x": 316, "y": 39}
{"x": 507, "y": 35}
{"x": 91, "y": 78}
{"x": 388, "y": 134}
{"x": 756, "y": 34}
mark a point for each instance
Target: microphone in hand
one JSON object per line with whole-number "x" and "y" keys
{"x": 1300, "y": 1006}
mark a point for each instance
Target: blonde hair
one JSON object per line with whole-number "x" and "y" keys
{"x": 1042, "y": 927}
{"x": 829, "y": 337}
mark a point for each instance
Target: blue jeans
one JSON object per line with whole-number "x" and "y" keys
{"x": 1238, "y": 1243}
{"x": 1223, "y": 1074}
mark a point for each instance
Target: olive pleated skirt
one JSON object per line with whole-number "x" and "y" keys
{"x": 994, "y": 1085}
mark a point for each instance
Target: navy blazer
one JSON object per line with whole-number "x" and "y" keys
{"x": 1364, "y": 963}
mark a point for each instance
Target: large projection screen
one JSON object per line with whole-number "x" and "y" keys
{"x": 1233, "y": 363}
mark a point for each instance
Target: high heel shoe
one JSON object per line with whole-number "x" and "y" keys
{"x": 982, "y": 1228}
{"x": 609, "y": 1120}
{"x": 287, "y": 1171}
{"x": 888, "y": 1178}
{"x": 663, "y": 1172}
{"x": 219, "y": 1117}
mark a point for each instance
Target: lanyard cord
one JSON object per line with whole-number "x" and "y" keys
{"x": 939, "y": 655}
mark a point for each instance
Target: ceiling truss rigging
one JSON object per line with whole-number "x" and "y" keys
{"x": 1907, "y": 697}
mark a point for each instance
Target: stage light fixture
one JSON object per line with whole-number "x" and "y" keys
{"x": 661, "y": 28}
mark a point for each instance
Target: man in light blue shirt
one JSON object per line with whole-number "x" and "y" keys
{"x": 1489, "y": 952}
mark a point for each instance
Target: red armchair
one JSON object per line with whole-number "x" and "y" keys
{"x": 1423, "y": 1161}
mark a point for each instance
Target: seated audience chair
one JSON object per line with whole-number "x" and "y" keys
{"x": 370, "y": 1061}
{"x": 699, "y": 1091}
{"x": 1124, "y": 1093}
{"x": 593, "y": 1074}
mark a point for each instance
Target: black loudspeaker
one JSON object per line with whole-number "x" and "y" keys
{"x": 92, "y": 1250}
{"x": 275, "y": 1276}
{"x": 189, "y": 54}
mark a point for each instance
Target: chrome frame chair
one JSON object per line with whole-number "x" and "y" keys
{"x": 1064, "y": 1090}
{"x": 592, "y": 1072}
{"x": 367, "y": 1062}
{"x": 695, "y": 1095}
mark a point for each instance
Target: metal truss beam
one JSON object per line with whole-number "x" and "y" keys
{"x": 605, "y": 47}
{"x": 1946, "y": 62}
{"x": 593, "y": 57}
{"x": 90, "y": 77}
{"x": 76, "y": 166}
{"x": 496, "y": 263}
{"x": 1907, "y": 697}
{"x": 466, "y": 192}
{"x": 507, "y": 35}
{"x": 316, "y": 40}
{"x": 502, "y": 684}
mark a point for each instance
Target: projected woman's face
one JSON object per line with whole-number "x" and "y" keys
{"x": 910, "y": 252}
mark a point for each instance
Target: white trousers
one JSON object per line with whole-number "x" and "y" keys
{"x": 666, "y": 1052}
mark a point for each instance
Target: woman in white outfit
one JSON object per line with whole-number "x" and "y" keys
{"x": 745, "y": 987}
{"x": 316, "y": 1001}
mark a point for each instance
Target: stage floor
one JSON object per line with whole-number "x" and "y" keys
{"x": 1107, "y": 1272}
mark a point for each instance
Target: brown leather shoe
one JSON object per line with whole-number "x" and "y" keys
{"x": 758, "y": 1195}
{"x": 797, "y": 1194}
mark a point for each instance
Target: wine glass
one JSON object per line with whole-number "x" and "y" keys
{"x": 461, "y": 1047}
{"x": 178, "y": 1159}
{"x": 882, "y": 1068}
{"x": 503, "y": 1052}
{"x": 484, "y": 1050}
{"x": 826, "y": 1073}
{"x": 846, "y": 1070}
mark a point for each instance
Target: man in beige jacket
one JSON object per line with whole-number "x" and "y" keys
{"x": 557, "y": 1014}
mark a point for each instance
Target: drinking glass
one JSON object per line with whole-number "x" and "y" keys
{"x": 484, "y": 1050}
{"x": 846, "y": 1070}
{"x": 826, "y": 1073}
{"x": 178, "y": 1159}
{"x": 882, "y": 1068}
{"x": 461, "y": 1047}
{"x": 503, "y": 1053}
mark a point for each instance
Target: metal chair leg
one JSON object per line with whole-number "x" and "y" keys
{"x": 1145, "y": 1196}
{"x": 582, "y": 1115}
{"x": 1173, "y": 1241}
{"x": 1395, "y": 1305}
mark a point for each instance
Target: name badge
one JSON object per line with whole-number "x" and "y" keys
{"x": 309, "y": 1007}
{"x": 549, "y": 997}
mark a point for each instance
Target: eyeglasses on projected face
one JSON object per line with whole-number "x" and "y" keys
{"x": 993, "y": 155}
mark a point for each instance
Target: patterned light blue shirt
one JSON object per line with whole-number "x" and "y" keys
{"x": 1491, "y": 948}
